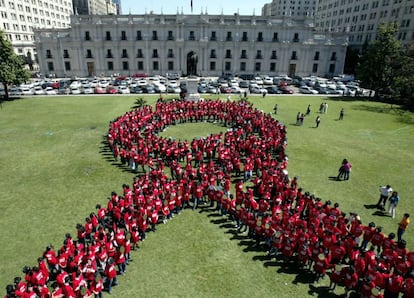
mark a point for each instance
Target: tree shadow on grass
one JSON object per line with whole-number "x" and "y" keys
{"x": 321, "y": 291}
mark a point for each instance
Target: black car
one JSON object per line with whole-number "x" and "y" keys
{"x": 273, "y": 90}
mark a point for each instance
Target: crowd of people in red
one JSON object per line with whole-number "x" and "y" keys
{"x": 294, "y": 225}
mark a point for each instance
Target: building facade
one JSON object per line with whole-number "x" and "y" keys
{"x": 18, "y": 18}
{"x": 289, "y": 8}
{"x": 94, "y": 7}
{"x": 360, "y": 19}
{"x": 207, "y": 45}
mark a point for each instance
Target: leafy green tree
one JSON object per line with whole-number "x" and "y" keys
{"x": 375, "y": 69}
{"x": 12, "y": 71}
{"x": 404, "y": 76}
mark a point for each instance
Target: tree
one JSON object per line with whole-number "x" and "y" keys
{"x": 375, "y": 69}
{"x": 404, "y": 76}
{"x": 12, "y": 71}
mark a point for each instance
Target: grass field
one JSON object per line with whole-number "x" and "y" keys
{"x": 55, "y": 169}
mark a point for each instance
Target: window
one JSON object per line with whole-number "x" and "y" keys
{"x": 154, "y": 35}
{"x": 140, "y": 65}
{"x": 108, "y": 35}
{"x": 50, "y": 66}
{"x": 316, "y": 57}
{"x": 296, "y": 37}
{"x": 228, "y": 37}
{"x": 170, "y": 35}
{"x": 109, "y": 53}
{"x": 155, "y": 65}
{"x": 139, "y": 53}
{"x": 191, "y": 36}
{"x": 87, "y": 35}
{"x": 67, "y": 66}
{"x": 242, "y": 66}
{"x": 124, "y": 53}
{"x": 257, "y": 66}
{"x": 294, "y": 56}
{"x": 110, "y": 65}
{"x": 260, "y": 36}
{"x": 170, "y": 53}
{"x": 333, "y": 56}
{"x": 170, "y": 65}
{"x": 154, "y": 53}
{"x": 213, "y": 35}
{"x": 272, "y": 66}
{"x": 49, "y": 54}
{"x": 228, "y": 54}
{"x": 213, "y": 54}
{"x": 274, "y": 55}
{"x": 227, "y": 66}
{"x": 243, "y": 54}
{"x": 89, "y": 53}
{"x": 66, "y": 54}
{"x": 125, "y": 65}
{"x": 315, "y": 67}
{"x": 123, "y": 35}
{"x": 139, "y": 35}
{"x": 331, "y": 68}
{"x": 212, "y": 65}
{"x": 244, "y": 36}
{"x": 275, "y": 37}
{"x": 259, "y": 54}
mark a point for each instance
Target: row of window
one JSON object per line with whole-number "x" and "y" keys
{"x": 170, "y": 54}
{"x": 34, "y": 2}
{"x": 227, "y": 66}
{"x": 192, "y": 36}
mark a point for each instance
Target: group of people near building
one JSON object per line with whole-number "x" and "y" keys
{"x": 275, "y": 212}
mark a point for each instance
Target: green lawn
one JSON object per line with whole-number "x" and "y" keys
{"x": 55, "y": 169}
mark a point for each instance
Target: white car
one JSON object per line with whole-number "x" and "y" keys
{"x": 173, "y": 83}
{"x": 307, "y": 90}
{"x": 268, "y": 81}
{"x": 123, "y": 90}
{"x": 172, "y": 89}
{"x": 50, "y": 91}
{"x": 38, "y": 90}
{"x": 75, "y": 90}
{"x": 88, "y": 90}
{"x": 142, "y": 82}
{"x": 259, "y": 80}
{"x": 27, "y": 91}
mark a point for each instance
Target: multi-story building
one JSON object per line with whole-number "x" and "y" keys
{"x": 19, "y": 17}
{"x": 199, "y": 44}
{"x": 94, "y": 7}
{"x": 360, "y": 19}
{"x": 289, "y": 8}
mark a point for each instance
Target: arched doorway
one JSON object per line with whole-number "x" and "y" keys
{"x": 192, "y": 60}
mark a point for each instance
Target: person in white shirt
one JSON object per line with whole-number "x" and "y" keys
{"x": 385, "y": 192}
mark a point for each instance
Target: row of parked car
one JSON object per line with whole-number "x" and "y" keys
{"x": 159, "y": 84}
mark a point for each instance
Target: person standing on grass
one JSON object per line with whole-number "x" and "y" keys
{"x": 341, "y": 114}
{"x": 385, "y": 192}
{"x": 394, "y": 198}
{"x": 318, "y": 121}
{"x": 402, "y": 226}
{"x": 275, "y": 109}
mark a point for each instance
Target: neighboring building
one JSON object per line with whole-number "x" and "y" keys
{"x": 201, "y": 44}
{"x": 94, "y": 7}
{"x": 19, "y": 17}
{"x": 360, "y": 19}
{"x": 289, "y": 8}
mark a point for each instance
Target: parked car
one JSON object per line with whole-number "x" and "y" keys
{"x": 63, "y": 91}
{"x": 100, "y": 90}
{"x": 268, "y": 81}
{"x": 202, "y": 89}
{"x": 235, "y": 89}
{"x": 38, "y": 90}
{"x": 87, "y": 90}
{"x": 15, "y": 92}
{"x": 172, "y": 89}
{"x": 148, "y": 89}
{"x": 50, "y": 91}
{"x": 307, "y": 90}
{"x": 112, "y": 90}
{"x": 172, "y": 75}
{"x": 123, "y": 90}
{"x": 286, "y": 90}
{"x": 273, "y": 90}
{"x": 27, "y": 91}
{"x": 244, "y": 84}
{"x": 258, "y": 90}
{"x": 75, "y": 90}
{"x": 211, "y": 89}
{"x": 136, "y": 90}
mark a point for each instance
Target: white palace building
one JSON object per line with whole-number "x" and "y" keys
{"x": 203, "y": 44}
